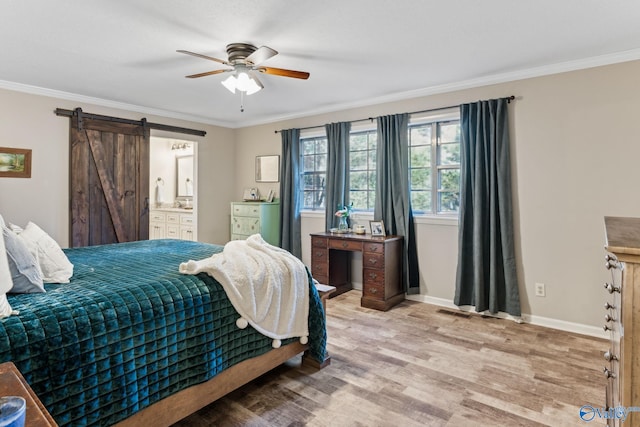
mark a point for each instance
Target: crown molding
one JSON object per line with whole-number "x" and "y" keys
{"x": 561, "y": 67}
{"x": 52, "y": 93}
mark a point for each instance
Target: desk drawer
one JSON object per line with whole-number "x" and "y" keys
{"x": 371, "y": 260}
{"x": 319, "y": 255}
{"x": 319, "y": 242}
{"x": 319, "y": 269}
{"x": 373, "y": 292}
{"x": 373, "y": 276}
{"x": 345, "y": 245}
{"x": 374, "y": 247}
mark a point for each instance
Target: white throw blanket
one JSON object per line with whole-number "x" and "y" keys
{"x": 267, "y": 285}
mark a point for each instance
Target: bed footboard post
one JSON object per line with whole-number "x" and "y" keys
{"x": 324, "y": 291}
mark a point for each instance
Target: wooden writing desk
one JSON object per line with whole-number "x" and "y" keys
{"x": 381, "y": 266}
{"x": 12, "y": 383}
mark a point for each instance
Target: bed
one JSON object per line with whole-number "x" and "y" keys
{"x": 131, "y": 340}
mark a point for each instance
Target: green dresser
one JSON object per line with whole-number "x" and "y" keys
{"x": 249, "y": 218}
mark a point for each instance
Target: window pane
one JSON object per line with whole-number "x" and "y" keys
{"x": 358, "y": 180}
{"x": 372, "y": 180}
{"x": 449, "y": 154}
{"x": 421, "y": 201}
{"x": 421, "y": 179}
{"x": 321, "y": 146}
{"x": 420, "y": 135}
{"x": 449, "y": 179}
{"x": 308, "y": 146}
{"x": 421, "y": 156}
{"x": 358, "y": 141}
{"x": 449, "y": 201}
{"x": 308, "y": 163}
{"x": 359, "y": 199}
{"x": 450, "y": 132}
{"x": 358, "y": 160}
{"x": 321, "y": 163}
{"x": 371, "y": 164}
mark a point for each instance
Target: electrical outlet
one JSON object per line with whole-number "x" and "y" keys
{"x": 540, "y": 291}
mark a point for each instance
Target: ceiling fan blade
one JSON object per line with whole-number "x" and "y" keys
{"x": 208, "y": 73}
{"x": 285, "y": 73}
{"x": 261, "y": 54}
{"x": 186, "y": 52}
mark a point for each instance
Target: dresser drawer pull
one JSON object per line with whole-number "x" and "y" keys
{"x": 607, "y": 328}
{"x": 608, "y": 318}
{"x": 608, "y": 306}
{"x": 608, "y": 373}
{"x": 608, "y": 356}
{"x": 611, "y": 289}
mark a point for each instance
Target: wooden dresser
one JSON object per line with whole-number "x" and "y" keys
{"x": 381, "y": 266}
{"x": 622, "y": 318}
{"x": 262, "y": 218}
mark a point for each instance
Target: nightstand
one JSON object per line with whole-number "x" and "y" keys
{"x": 12, "y": 383}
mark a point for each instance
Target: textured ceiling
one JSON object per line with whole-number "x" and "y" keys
{"x": 123, "y": 53}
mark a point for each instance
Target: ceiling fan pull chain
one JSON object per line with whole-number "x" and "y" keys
{"x": 242, "y": 101}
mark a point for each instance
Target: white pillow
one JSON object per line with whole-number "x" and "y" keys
{"x": 55, "y": 266}
{"x": 26, "y": 275}
{"x": 5, "y": 280}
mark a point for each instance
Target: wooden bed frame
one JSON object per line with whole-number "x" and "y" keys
{"x": 173, "y": 408}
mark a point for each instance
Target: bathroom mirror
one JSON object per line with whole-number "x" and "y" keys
{"x": 184, "y": 176}
{"x": 268, "y": 168}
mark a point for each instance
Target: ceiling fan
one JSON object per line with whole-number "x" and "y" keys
{"x": 244, "y": 60}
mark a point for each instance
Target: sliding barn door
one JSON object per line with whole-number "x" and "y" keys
{"x": 109, "y": 182}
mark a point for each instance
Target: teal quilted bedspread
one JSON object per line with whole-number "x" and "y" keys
{"x": 130, "y": 330}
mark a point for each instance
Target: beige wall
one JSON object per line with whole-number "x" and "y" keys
{"x": 575, "y": 159}
{"x": 28, "y": 121}
{"x": 574, "y": 153}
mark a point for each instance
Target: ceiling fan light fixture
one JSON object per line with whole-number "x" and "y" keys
{"x": 242, "y": 82}
{"x": 230, "y": 83}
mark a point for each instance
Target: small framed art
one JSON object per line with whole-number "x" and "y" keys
{"x": 377, "y": 228}
{"x": 15, "y": 162}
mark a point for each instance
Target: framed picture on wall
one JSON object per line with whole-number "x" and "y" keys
{"x": 377, "y": 228}
{"x": 15, "y": 162}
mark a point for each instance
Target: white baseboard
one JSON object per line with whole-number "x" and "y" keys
{"x": 562, "y": 325}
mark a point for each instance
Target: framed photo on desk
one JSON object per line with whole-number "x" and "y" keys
{"x": 377, "y": 228}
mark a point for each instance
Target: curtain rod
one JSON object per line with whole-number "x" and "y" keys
{"x": 431, "y": 110}
{"x": 143, "y": 122}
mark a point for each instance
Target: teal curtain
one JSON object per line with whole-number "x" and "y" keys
{"x": 486, "y": 274}
{"x": 393, "y": 201}
{"x": 336, "y": 190}
{"x": 290, "y": 234}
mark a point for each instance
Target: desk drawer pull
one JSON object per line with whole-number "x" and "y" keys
{"x": 373, "y": 290}
{"x": 345, "y": 244}
{"x": 373, "y": 261}
{"x": 373, "y": 276}
{"x": 319, "y": 254}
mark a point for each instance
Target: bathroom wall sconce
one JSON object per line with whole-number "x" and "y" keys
{"x": 180, "y": 146}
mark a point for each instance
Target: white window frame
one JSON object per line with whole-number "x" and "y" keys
{"x": 430, "y": 118}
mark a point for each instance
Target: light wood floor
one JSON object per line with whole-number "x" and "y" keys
{"x": 422, "y": 365}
